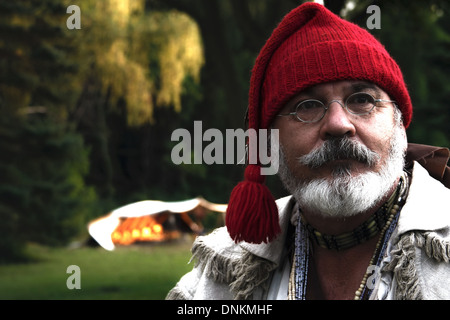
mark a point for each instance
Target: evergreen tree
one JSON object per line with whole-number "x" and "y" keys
{"x": 43, "y": 162}
{"x": 43, "y": 197}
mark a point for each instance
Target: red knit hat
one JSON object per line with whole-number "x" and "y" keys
{"x": 310, "y": 46}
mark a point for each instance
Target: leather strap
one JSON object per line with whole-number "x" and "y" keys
{"x": 433, "y": 159}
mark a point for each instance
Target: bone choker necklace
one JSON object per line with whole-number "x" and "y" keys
{"x": 299, "y": 271}
{"x": 364, "y": 232}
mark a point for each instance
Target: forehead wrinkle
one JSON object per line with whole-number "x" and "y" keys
{"x": 354, "y": 86}
{"x": 363, "y": 85}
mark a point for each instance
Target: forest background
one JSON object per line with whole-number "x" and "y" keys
{"x": 87, "y": 114}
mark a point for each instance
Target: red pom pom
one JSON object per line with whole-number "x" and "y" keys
{"x": 252, "y": 214}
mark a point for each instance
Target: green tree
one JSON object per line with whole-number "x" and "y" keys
{"x": 43, "y": 161}
{"x": 135, "y": 62}
{"x": 43, "y": 197}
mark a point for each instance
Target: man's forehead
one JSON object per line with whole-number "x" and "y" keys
{"x": 347, "y": 85}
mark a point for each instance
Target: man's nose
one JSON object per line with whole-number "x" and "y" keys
{"x": 336, "y": 122}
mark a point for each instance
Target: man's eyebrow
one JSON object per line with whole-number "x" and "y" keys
{"x": 307, "y": 91}
{"x": 360, "y": 86}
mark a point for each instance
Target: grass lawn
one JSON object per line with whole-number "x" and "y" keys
{"x": 136, "y": 272}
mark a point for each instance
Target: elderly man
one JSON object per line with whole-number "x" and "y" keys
{"x": 368, "y": 217}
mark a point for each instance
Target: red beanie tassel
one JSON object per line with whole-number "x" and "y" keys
{"x": 252, "y": 214}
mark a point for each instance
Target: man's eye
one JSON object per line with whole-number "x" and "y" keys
{"x": 310, "y": 104}
{"x": 360, "y": 98}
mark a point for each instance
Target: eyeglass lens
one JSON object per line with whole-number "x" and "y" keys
{"x": 313, "y": 110}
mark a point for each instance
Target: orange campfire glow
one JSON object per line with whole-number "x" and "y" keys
{"x": 144, "y": 228}
{"x": 152, "y": 221}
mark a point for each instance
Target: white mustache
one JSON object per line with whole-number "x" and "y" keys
{"x": 339, "y": 148}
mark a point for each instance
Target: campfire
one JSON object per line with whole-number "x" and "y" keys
{"x": 159, "y": 227}
{"x": 138, "y": 229}
{"x": 151, "y": 221}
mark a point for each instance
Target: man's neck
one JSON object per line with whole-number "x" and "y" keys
{"x": 338, "y": 274}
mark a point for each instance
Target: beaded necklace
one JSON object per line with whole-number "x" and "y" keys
{"x": 299, "y": 271}
{"x": 364, "y": 232}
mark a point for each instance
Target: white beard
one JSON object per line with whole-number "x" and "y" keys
{"x": 345, "y": 195}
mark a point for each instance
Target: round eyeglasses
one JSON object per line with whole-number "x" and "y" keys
{"x": 312, "y": 110}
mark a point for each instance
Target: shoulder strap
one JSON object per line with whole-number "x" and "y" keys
{"x": 433, "y": 159}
